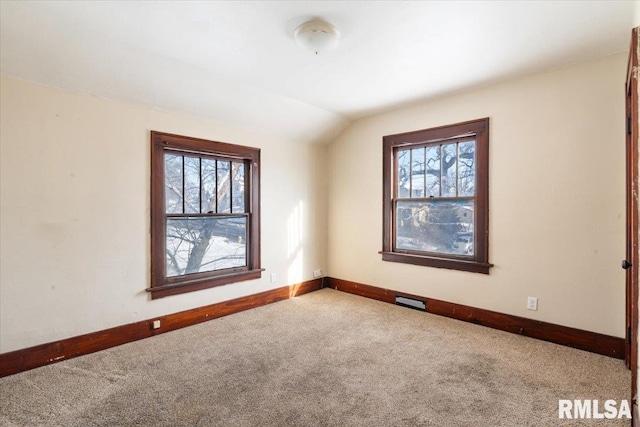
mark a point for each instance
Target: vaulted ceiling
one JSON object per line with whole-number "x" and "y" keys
{"x": 236, "y": 61}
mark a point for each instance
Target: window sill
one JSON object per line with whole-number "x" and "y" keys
{"x": 438, "y": 262}
{"x": 161, "y": 291}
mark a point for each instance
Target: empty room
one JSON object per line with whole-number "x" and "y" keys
{"x": 319, "y": 213}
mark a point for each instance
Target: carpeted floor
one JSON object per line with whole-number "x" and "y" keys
{"x": 324, "y": 359}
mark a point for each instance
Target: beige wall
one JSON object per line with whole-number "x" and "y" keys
{"x": 557, "y": 201}
{"x": 75, "y": 213}
{"x": 74, "y": 205}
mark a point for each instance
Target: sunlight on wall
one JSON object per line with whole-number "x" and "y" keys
{"x": 295, "y": 237}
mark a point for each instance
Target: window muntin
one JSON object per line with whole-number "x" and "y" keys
{"x": 205, "y": 214}
{"x": 436, "y": 197}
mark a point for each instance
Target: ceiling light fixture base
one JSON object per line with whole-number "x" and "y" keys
{"x": 317, "y": 36}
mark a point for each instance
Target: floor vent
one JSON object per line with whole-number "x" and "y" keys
{"x": 416, "y": 304}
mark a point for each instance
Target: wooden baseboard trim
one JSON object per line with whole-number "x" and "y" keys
{"x": 45, "y": 354}
{"x": 571, "y": 337}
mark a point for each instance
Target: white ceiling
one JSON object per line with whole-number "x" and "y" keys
{"x": 236, "y": 61}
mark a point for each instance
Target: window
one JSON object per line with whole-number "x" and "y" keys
{"x": 205, "y": 214}
{"x": 436, "y": 197}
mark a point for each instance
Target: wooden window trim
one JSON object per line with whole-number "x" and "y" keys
{"x": 479, "y": 262}
{"x": 162, "y": 286}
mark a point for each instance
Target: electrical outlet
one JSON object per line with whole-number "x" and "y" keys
{"x": 532, "y": 303}
{"x": 155, "y": 324}
{"x": 272, "y": 278}
{"x": 317, "y": 273}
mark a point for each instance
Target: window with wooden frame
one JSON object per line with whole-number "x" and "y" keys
{"x": 436, "y": 197}
{"x": 205, "y": 214}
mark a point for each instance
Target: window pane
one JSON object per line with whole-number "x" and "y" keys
{"x": 224, "y": 188}
{"x": 191, "y": 184}
{"x": 467, "y": 168}
{"x": 435, "y": 226}
{"x": 173, "y": 183}
{"x": 238, "y": 187}
{"x": 403, "y": 173}
{"x": 433, "y": 171}
{"x": 196, "y": 244}
{"x": 208, "y": 191}
{"x": 449, "y": 170}
{"x": 417, "y": 172}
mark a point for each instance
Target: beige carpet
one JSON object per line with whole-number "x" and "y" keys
{"x": 323, "y": 359}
